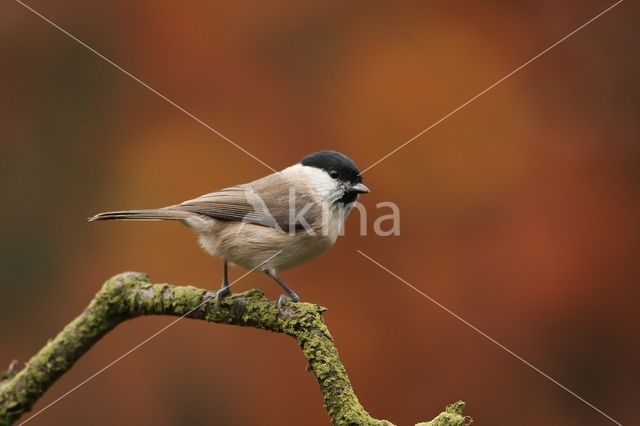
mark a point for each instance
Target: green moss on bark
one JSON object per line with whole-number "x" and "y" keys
{"x": 452, "y": 416}
{"x": 131, "y": 294}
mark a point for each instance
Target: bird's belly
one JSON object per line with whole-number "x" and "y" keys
{"x": 256, "y": 247}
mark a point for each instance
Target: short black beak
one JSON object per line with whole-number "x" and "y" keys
{"x": 359, "y": 188}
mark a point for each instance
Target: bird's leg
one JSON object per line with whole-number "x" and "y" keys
{"x": 291, "y": 295}
{"x": 224, "y": 289}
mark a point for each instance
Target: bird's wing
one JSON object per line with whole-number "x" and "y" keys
{"x": 263, "y": 202}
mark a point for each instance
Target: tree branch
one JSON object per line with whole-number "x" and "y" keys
{"x": 130, "y": 295}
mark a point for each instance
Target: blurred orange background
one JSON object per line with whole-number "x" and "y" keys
{"x": 520, "y": 212}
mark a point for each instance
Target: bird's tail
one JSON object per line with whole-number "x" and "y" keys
{"x": 152, "y": 214}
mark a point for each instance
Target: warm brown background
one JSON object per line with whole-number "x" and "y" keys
{"x": 520, "y": 212}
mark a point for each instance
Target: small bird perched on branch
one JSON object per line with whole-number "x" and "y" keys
{"x": 271, "y": 224}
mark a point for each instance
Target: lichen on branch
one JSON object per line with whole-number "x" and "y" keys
{"x": 130, "y": 295}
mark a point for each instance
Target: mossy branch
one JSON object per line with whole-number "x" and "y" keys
{"x": 130, "y": 295}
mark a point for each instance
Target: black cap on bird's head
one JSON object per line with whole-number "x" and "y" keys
{"x": 339, "y": 167}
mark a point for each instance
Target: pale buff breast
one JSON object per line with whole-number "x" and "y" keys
{"x": 248, "y": 245}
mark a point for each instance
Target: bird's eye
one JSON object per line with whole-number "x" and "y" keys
{"x": 333, "y": 174}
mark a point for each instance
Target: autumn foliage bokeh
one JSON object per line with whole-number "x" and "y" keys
{"x": 519, "y": 213}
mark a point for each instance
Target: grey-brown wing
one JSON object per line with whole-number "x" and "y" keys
{"x": 265, "y": 202}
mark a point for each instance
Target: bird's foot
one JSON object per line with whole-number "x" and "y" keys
{"x": 286, "y": 298}
{"x": 221, "y": 294}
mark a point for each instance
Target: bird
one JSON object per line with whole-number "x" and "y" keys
{"x": 271, "y": 224}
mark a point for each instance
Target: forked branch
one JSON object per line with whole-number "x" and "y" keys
{"x": 130, "y": 295}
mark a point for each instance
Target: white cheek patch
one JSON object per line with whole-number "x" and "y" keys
{"x": 327, "y": 188}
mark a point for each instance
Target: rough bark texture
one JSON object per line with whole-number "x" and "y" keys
{"x": 130, "y": 295}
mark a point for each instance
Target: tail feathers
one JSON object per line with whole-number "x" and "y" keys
{"x": 153, "y": 214}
